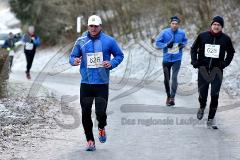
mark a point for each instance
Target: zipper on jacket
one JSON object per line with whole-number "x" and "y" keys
{"x": 210, "y": 63}
{"x": 173, "y": 43}
{"x": 88, "y": 72}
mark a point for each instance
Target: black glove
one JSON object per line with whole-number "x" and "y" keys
{"x": 180, "y": 45}
{"x": 195, "y": 64}
{"x": 222, "y": 65}
{"x": 152, "y": 40}
{"x": 170, "y": 45}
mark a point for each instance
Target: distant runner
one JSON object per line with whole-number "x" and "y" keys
{"x": 31, "y": 42}
{"x": 172, "y": 40}
{"x": 9, "y": 44}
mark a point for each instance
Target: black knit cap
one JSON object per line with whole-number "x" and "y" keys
{"x": 219, "y": 20}
{"x": 175, "y": 18}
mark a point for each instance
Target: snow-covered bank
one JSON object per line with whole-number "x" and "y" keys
{"x": 25, "y": 122}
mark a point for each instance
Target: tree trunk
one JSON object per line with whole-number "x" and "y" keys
{"x": 4, "y": 72}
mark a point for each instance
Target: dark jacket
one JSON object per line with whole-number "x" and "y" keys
{"x": 9, "y": 43}
{"x": 197, "y": 50}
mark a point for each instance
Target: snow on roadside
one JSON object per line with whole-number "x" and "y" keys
{"x": 8, "y": 19}
{"x": 25, "y": 121}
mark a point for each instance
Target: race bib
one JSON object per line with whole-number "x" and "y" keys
{"x": 174, "y": 49}
{"x": 11, "y": 53}
{"x": 94, "y": 60}
{"x": 29, "y": 46}
{"x": 212, "y": 50}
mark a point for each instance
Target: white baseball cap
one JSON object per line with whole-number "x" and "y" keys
{"x": 94, "y": 20}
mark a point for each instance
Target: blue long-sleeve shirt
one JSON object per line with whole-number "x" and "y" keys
{"x": 87, "y": 45}
{"x": 31, "y": 39}
{"x": 167, "y": 36}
